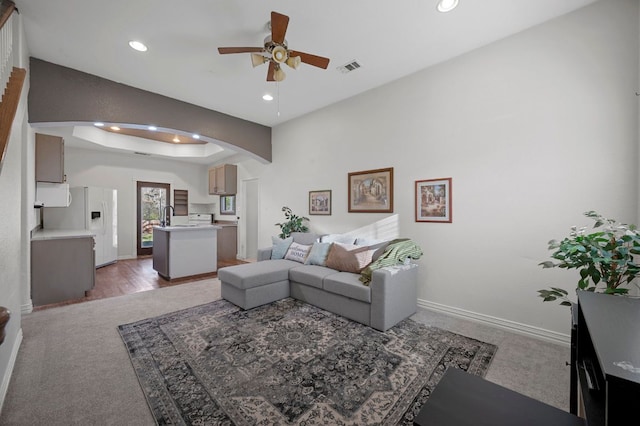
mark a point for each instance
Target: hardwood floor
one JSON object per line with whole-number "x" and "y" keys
{"x": 132, "y": 276}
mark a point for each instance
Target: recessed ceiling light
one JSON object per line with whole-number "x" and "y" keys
{"x": 195, "y": 136}
{"x": 176, "y": 139}
{"x": 98, "y": 124}
{"x": 447, "y": 5}
{"x": 267, "y": 97}
{"x": 138, "y": 45}
{"x": 116, "y": 128}
{"x": 152, "y": 128}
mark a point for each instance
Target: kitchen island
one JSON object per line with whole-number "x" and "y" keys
{"x": 185, "y": 250}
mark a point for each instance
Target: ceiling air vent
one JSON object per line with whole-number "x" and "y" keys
{"x": 140, "y": 153}
{"x": 351, "y": 66}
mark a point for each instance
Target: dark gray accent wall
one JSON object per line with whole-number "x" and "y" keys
{"x": 59, "y": 94}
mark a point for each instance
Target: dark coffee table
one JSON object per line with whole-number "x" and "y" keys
{"x": 462, "y": 399}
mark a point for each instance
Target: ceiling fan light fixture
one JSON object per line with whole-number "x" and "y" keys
{"x": 279, "y": 54}
{"x": 447, "y": 5}
{"x": 278, "y": 74}
{"x": 257, "y": 59}
{"x": 294, "y": 62}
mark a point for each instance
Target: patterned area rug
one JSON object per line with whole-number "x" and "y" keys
{"x": 290, "y": 363}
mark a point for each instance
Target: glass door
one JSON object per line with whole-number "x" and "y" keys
{"x": 152, "y": 198}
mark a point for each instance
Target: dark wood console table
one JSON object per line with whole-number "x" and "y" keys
{"x": 607, "y": 359}
{"x": 463, "y": 399}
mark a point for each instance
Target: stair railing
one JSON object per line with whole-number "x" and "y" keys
{"x": 6, "y": 44}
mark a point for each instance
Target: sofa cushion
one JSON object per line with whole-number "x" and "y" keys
{"x": 311, "y": 275}
{"x": 347, "y": 284}
{"x": 297, "y": 252}
{"x": 318, "y": 254}
{"x": 280, "y": 247}
{"x": 306, "y": 238}
{"x": 349, "y": 258}
{"x": 256, "y": 274}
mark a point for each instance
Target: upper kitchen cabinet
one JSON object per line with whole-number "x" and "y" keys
{"x": 223, "y": 180}
{"x": 49, "y": 159}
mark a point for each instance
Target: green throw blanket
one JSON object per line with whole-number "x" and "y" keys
{"x": 395, "y": 253}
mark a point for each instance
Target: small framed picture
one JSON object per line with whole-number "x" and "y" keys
{"x": 433, "y": 200}
{"x": 371, "y": 191}
{"x": 320, "y": 202}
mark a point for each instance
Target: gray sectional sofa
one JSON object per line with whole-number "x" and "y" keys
{"x": 390, "y": 297}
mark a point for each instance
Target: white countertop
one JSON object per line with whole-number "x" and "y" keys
{"x": 52, "y": 234}
{"x": 186, "y": 228}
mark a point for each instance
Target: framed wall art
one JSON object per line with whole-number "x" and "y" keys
{"x": 371, "y": 191}
{"x": 320, "y": 202}
{"x": 433, "y": 200}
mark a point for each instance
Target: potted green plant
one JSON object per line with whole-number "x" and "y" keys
{"x": 603, "y": 257}
{"x": 294, "y": 223}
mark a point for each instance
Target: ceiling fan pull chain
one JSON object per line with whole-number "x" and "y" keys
{"x": 278, "y": 94}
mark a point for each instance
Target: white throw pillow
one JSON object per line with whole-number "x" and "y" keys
{"x": 368, "y": 241}
{"x": 338, "y": 238}
{"x": 297, "y": 252}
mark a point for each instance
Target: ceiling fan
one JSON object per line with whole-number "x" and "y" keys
{"x": 276, "y": 51}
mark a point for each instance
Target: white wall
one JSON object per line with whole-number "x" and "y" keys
{"x": 111, "y": 170}
{"x": 16, "y": 221}
{"x": 11, "y": 247}
{"x": 534, "y": 130}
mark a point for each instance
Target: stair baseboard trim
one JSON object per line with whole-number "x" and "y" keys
{"x": 4, "y": 387}
{"x": 27, "y": 308}
{"x": 527, "y": 330}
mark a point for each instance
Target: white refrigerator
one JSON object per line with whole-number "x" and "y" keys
{"x": 94, "y": 209}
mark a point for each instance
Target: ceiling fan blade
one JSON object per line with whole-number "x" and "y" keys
{"x": 271, "y": 72}
{"x": 307, "y": 58}
{"x": 224, "y": 50}
{"x": 279, "y": 23}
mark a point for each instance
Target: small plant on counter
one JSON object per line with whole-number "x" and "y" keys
{"x": 604, "y": 258}
{"x": 294, "y": 223}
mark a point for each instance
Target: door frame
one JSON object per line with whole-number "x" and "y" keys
{"x": 245, "y": 206}
{"x": 146, "y": 251}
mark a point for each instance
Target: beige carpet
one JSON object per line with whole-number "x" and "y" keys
{"x": 73, "y": 368}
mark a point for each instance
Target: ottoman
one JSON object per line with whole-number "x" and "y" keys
{"x": 255, "y": 284}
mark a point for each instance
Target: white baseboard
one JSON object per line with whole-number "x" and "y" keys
{"x": 27, "y": 308}
{"x": 4, "y": 386}
{"x": 515, "y": 327}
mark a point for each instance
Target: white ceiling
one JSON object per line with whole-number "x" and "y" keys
{"x": 388, "y": 39}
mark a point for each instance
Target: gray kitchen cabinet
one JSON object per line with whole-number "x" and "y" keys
{"x": 161, "y": 252}
{"x": 223, "y": 180}
{"x": 227, "y": 242}
{"x": 61, "y": 269}
{"x": 49, "y": 158}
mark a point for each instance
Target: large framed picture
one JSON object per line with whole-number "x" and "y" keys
{"x": 371, "y": 191}
{"x": 433, "y": 200}
{"x": 320, "y": 202}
